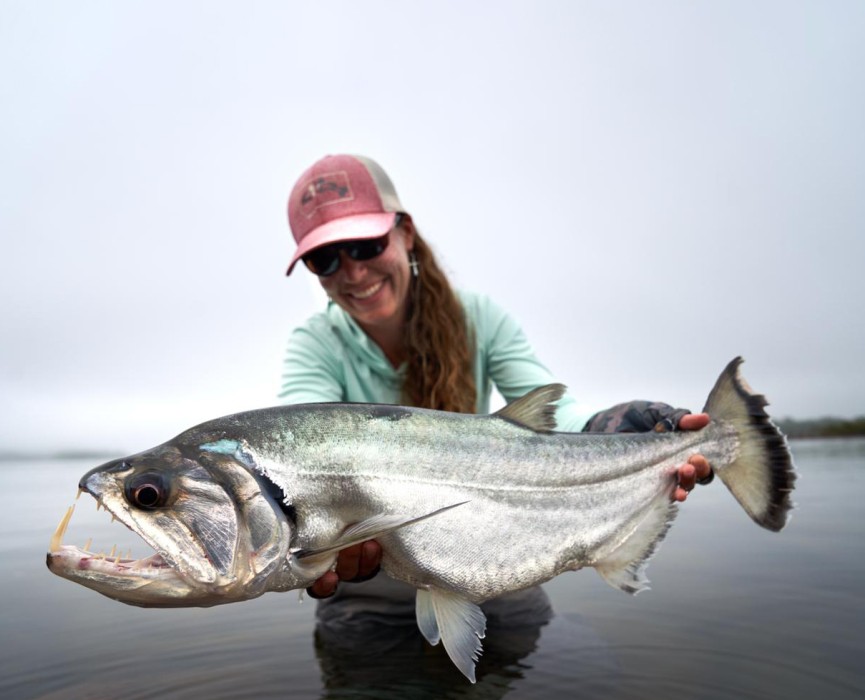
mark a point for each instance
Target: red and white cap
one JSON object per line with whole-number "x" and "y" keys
{"x": 340, "y": 198}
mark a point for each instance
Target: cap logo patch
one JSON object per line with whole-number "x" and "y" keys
{"x": 324, "y": 191}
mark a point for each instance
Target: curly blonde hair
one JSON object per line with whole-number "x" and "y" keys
{"x": 439, "y": 345}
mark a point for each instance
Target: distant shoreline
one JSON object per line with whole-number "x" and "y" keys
{"x": 794, "y": 429}
{"x": 59, "y": 455}
{"x": 822, "y": 427}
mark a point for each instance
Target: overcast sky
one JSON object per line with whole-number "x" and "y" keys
{"x": 650, "y": 188}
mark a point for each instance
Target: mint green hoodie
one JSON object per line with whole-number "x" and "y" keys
{"x": 330, "y": 358}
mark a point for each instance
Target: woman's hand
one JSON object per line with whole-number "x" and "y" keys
{"x": 356, "y": 563}
{"x": 697, "y": 469}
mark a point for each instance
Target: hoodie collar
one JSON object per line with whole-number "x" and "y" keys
{"x": 358, "y": 343}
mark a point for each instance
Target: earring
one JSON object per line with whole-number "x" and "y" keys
{"x": 412, "y": 263}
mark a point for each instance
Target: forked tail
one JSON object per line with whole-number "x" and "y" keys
{"x": 762, "y": 476}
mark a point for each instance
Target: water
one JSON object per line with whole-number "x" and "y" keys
{"x": 735, "y": 611}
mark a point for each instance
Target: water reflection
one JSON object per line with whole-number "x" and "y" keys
{"x": 382, "y": 654}
{"x": 394, "y": 661}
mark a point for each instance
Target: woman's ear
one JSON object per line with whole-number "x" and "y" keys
{"x": 406, "y": 225}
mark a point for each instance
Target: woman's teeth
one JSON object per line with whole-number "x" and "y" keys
{"x": 368, "y": 291}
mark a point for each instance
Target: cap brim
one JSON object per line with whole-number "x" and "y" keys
{"x": 347, "y": 228}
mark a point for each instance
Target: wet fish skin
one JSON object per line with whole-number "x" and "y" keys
{"x": 262, "y": 501}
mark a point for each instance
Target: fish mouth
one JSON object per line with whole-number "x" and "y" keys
{"x": 149, "y": 581}
{"x": 112, "y": 561}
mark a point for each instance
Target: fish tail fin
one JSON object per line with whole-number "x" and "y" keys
{"x": 761, "y": 476}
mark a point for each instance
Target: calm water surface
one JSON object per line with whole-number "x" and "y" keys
{"x": 735, "y": 611}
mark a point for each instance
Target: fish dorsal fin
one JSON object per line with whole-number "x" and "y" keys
{"x": 535, "y": 410}
{"x": 459, "y": 624}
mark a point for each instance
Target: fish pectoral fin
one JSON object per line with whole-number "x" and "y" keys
{"x": 535, "y": 410}
{"x": 459, "y": 623}
{"x": 369, "y": 529}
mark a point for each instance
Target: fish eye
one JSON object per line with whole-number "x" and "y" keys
{"x": 147, "y": 491}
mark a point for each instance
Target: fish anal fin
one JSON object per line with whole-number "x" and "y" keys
{"x": 624, "y": 566}
{"x": 426, "y": 617}
{"x": 460, "y": 623}
{"x": 535, "y": 410}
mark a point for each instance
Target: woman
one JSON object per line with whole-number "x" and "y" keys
{"x": 396, "y": 332}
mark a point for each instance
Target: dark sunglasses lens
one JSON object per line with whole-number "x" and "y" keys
{"x": 367, "y": 250}
{"x": 323, "y": 262}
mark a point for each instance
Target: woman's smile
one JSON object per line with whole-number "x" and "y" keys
{"x": 370, "y": 302}
{"x": 366, "y": 292}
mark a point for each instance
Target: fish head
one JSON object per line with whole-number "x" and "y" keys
{"x": 219, "y": 532}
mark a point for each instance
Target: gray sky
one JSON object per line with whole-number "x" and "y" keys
{"x": 650, "y": 188}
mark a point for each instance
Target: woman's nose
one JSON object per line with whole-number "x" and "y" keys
{"x": 353, "y": 270}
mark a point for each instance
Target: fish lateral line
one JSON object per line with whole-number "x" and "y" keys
{"x": 369, "y": 529}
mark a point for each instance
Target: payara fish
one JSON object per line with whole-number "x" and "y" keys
{"x": 466, "y": 507}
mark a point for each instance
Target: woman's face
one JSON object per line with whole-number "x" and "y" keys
{"x": 375, "y": 292}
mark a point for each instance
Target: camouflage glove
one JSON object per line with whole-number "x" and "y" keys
{"x": 636, "y": 417}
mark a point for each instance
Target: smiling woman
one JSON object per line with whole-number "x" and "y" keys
{"x": 353, "y": 233}
{"x": 396, "y": 332}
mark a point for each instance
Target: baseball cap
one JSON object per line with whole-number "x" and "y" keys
{"x": 340, "y": 198}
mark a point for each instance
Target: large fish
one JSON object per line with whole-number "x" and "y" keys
{"x": 466, "y": 507}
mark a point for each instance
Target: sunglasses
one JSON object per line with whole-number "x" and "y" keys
{"x": 325, "y": 261}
